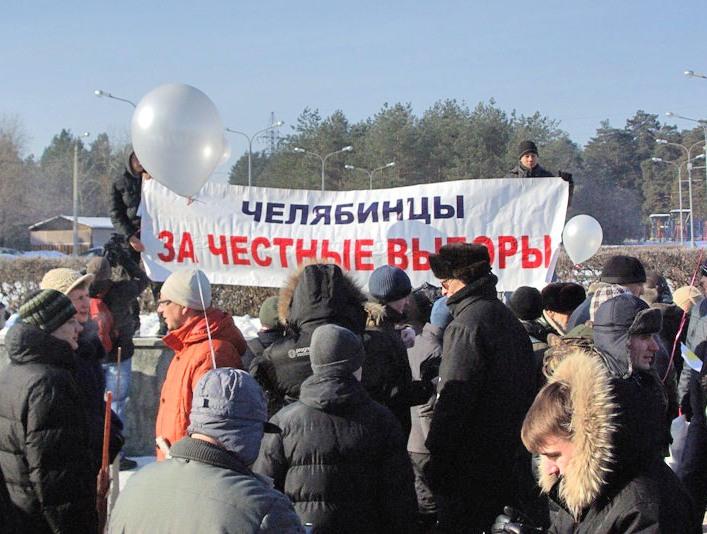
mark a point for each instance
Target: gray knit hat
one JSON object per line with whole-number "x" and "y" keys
{"x": 229, "y": 405}
{"x": 183, "y": 287}
{"x": 47, "y": 309}
{"x": 334, "y": 349}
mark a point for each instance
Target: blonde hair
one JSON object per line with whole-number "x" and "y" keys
{"x": 549, "y": 415}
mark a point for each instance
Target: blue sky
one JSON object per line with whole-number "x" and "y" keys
{"x": 577, "y": 62}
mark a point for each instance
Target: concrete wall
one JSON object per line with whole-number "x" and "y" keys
{"x": 149, "y": 368}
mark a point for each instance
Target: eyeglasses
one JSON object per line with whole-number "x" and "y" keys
{"x": 445, "y": 283}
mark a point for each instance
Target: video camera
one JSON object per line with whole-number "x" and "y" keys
{"x": 115, "y": 250}
{"x": 515, "y": 522}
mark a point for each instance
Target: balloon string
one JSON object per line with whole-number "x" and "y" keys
{"x": 206, "y": 319}
{"x": 683, "y": 320}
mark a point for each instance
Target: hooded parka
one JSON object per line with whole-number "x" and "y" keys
{"x": 613, "y": 483}
{"x": 341, "y": 459}
{"x": 315, "y": 295}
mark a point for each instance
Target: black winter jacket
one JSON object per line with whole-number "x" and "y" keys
{"x": 341, "y": 459}
{"x": 614, "y": 483}
{"x": 487, "y": 383}
{"x": 315, "y": 295}
{"x": 44, "y": 448}
{"x": 120, "y": 299}
{"x": 125, "y": 200}
{"x": 536, "y": 172}
{"x": 386, "y": 371}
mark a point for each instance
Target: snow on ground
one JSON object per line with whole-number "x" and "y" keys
{"x": 249, "y": 326}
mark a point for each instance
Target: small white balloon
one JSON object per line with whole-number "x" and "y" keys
{"x": 177, "y": 135}
{"x": 582, "y": 237}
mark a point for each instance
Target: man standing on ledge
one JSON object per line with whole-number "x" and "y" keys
{"x": 201, "y": 337}
{"x": 528, "y": 167}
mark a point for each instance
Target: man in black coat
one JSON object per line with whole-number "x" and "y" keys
{"x": 126, "y": 194}
{"x": 341, "y": 456}
{"x": 487, "y": 382}
{"x": 528, "y": 166}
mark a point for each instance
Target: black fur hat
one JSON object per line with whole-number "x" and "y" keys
{"x": 563, "y": 297}
{"x": 464, "y": 261}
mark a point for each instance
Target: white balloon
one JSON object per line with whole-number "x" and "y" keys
{"x": 177, "y": 135}
{"x": 582, "y": 237}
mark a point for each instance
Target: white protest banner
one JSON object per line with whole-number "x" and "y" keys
{"x": 257, "y": 236}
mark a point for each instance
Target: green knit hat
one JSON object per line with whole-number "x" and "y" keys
{"x": 47, "y": 309}
{"x": 268, "y": 313}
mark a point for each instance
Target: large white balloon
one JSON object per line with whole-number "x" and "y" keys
{"x": 582, "y": 237}
{"x": 178, "y": 137}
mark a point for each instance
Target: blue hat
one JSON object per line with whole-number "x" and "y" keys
{"x": 229, "y": 405}
{"x": 388, "y": 284}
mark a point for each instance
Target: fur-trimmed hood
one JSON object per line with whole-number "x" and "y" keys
{"x": 322, "y": 293}
{"x": 378, "y": 314}
{"x": 594, "y": 415}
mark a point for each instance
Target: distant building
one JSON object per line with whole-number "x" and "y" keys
{"x": 57, "y": 233}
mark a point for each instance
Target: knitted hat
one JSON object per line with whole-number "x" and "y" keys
{"x": 182, "y": 287}
{"x": 527, "y": 147}
{"x": 335, "y": 350}
{"x": 623, "y": 270}
{"x": 99, "y": 267}
{"x": 268, "y": 313}
{"x": 47, "y": 309}
{"x": 526, "y": 303}
{"x": 463, "y": 261}
{"x": 388, "y": 284}
{"x": 229, "y": 405}
{"x": 563, "y": 297}
{"x": 65, "y": 280}
{"x": 685, "y": 296}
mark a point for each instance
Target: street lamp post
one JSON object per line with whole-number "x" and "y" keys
{"x": 75, "y": 229}
{"x": 688, "y": 153}
{"x": 299, "y": 150}
{"x": 693, "y": 74}
{"x": 100, "y": 93}
{"x": 702, "y": 123}
{"x": 250, "y": 144}
{"x": 370, "y": 173}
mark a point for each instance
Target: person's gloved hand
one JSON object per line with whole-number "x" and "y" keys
{"x": 440, "y": 316}
{"x": 566, "y": 176}
{"x": 407, "y": 334}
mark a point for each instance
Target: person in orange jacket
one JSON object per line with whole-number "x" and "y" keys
{"x": 185, "y": 305}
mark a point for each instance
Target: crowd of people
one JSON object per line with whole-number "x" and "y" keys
{"x": 393, "y": 409}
